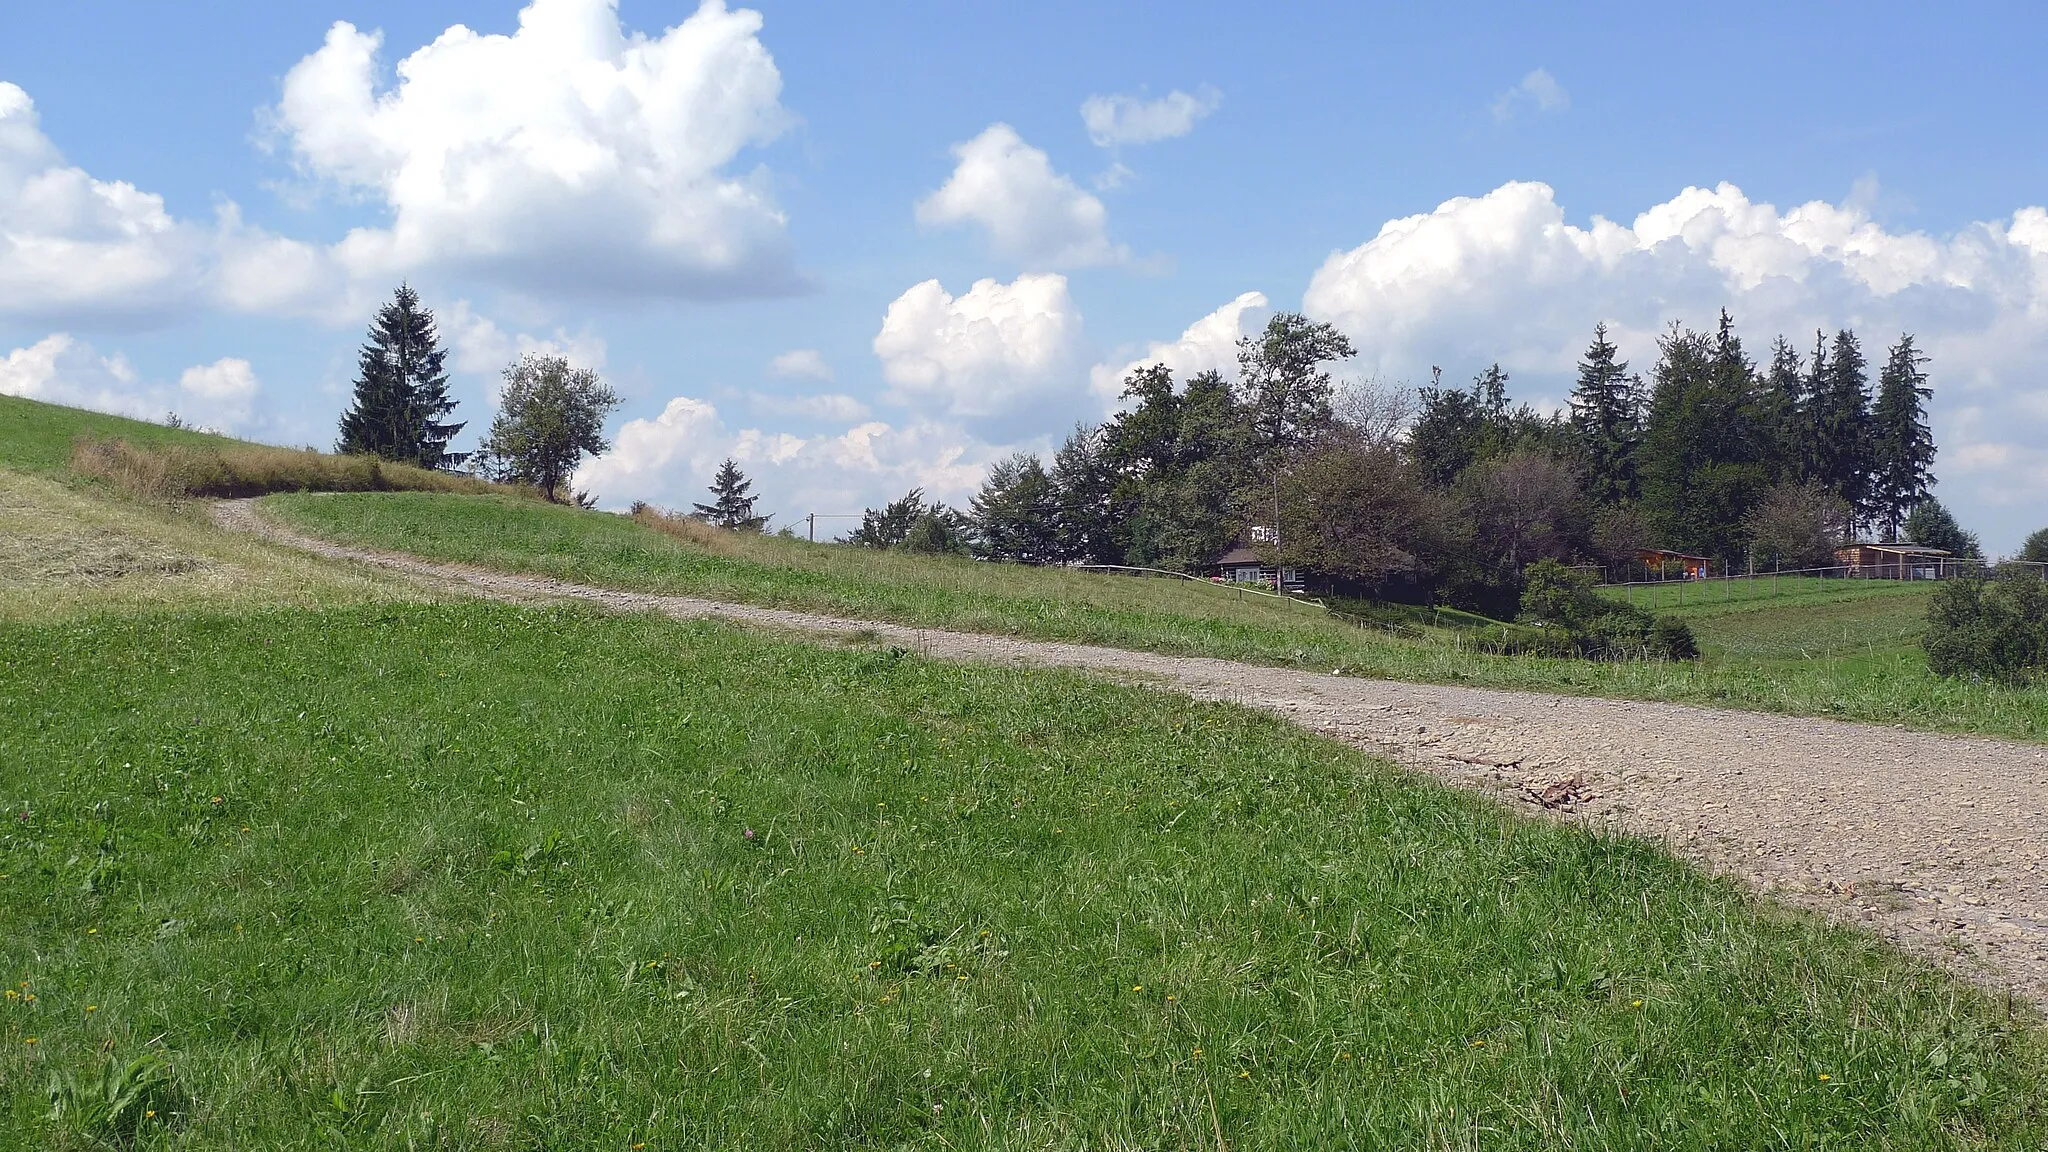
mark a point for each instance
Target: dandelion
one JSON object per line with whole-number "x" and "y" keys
{"x": 216, "y": 800}
{"x": 1823, "y": 1076}
{"x": 1343, "y": 1055}
{"x": 1137, "y": 987}
{"x": 419, "y": 939}
{"x": 1479, "y": 1043}
{"x": 1637, "y": 1004}
{"x": 92, "y": 931}
{"x": 92, "y": 1007}
{"x": 1244, "y": 1075}
{"x": 13, "y": 995}
{"x": 149, "y": 1114}
{"x": 1171, "y": 999}
{"x": 29, "y": 1040}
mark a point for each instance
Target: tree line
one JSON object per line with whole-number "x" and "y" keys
{"x": 1449, "y": 491}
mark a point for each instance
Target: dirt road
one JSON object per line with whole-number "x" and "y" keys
{"x": 1938, "y": 842}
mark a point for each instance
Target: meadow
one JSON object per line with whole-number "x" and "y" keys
{"x": 476, "y": 876}
{"x": 1847, "y": 651}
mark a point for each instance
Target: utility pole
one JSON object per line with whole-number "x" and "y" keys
{"x": 812, "y": 520}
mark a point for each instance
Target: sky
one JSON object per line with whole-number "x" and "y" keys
{"x": 861, "y": 248}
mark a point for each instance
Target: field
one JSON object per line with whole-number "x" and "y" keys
{"x": 479, "y": 877}
{"x": 295, "y": 856}
{"x": 1851, "y": 653}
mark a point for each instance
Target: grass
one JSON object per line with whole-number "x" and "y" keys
{"x": 39, "y": 437}
{"x": 1818, "y": 660}
{"x": 472, "y": 876}
{"x": 67, "y": 550}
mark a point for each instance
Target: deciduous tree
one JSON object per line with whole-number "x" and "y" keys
{"x": 549, "y": 417}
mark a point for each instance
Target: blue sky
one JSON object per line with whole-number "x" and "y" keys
{"x": 737, "y": 213}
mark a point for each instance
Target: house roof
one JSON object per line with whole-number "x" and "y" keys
{"x": 1670, "y": 555}
{"x": 1901, "y": 549}
{"x": 1242, "y": 554}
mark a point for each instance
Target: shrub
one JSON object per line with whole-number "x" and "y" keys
{"x": 1577, "y": 621}
{"x": 168, "y": 471}
{"x": 1995, "y": 628}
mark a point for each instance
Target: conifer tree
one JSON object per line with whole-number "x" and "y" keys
{"x": 401, "y": 391}
{"x": 1781, "y": 399}
{"x": 1838, "y": 422}
{"x": 1902, "y": 444}
{"x": 1609, "y": 427}
{"x": 1703, "y": 466}
{"x": 732, "y": 503}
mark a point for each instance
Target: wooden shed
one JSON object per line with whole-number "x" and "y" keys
{"x": 1893, "y": 561}
{"x": 1664, "y": 563}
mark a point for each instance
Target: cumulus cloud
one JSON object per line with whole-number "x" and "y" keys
{"x": 61, "y": 369}
{"x": 478, "y": 346}
{"x": 1209, "y": 344}
{"x": 1507, "y": 277}
{"x": 1539, "y": 90}
{"x": 801, "y": 364}
{"x": 1120, "y": 119}
{"x": 1032, "y": 214}
{"x": 669, "y": 459}
{"x": 568, "y": 157}
{"x": 992, "y": 351}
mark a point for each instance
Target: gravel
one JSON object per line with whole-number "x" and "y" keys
{"x": 1939, "y": 843}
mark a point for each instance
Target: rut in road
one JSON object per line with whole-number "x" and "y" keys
{"x": 1938, "y": 842}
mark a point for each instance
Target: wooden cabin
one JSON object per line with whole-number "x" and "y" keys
{"x": 1240, "y": 564}
{"x": 1893, "y": 561}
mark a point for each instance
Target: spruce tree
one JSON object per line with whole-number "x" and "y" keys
{"x": 1703, "y": 459}
{"x": 1838, "y": 422}
{"x": 1604, "y": 415}
{"x": 1902, "y": 444}
{"x": 401, "y": 390}
{"x": 732, "y": 504}
{"x": 1781, "y": 398}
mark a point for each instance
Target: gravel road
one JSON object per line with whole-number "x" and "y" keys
{"x": 1938, "y": 842}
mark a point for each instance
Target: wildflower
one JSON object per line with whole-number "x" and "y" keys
{"x": 29, "y": 1040}
{"x": 216, "y": 799}
{"x": 1479, "y": 1043}
{"x": 419, "y": 939}
{"x": 747, "y": 834}
{"x": 92, "y": 931}
{"x": 149, "y": 1114}
{"x": 1171, "y": 999}
{"x": 1137, "y": 987}
{"x": 1637, "y": 1004}
{"x": 1244, "y": 1075}
{"x": 12, "y": 994}
{"x": 1343, "y": 1055}
{"x": 1824, "y": 1076}
{"x": 92, "y": 1007}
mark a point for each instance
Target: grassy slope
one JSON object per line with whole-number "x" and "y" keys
{"x": 71, "y": 545}
{"x": 480, "y": 877}
{"x": 1887, "y": 683}
{"x": 37, "y": 437}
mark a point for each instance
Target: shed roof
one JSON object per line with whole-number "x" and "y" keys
{"x": 1670, "y": 555}
{"x": 1902, "y": 549}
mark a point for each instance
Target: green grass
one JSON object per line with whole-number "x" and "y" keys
{"x": 473, "y": 876}
{"x": 38, "y": 437}
{"x": 1884, "y": 680}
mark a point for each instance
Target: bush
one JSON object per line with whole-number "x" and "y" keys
{"x": 1574, "y": 620}
{"x": 168, "y": 471}
{"x": 1995, "y": 628}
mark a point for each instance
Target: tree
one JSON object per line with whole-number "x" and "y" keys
{"x": 1838, "y": 421}
{"x": 1519, "y": 506}
{"x": 550, "y": 416}
{"x": 939, "y": 530}
{"x": 1356, "y": 511}
{"x": 732, "y": 504}
{"x": 1797, "y": 526}
{"x": 1605, "y": 416}
{"x": 1902, "y": 448}
{"x": 1455, "y": 428}
{"x": 401, "y": 390}
{"x": 1932, "y": 526}
{"x": 889, "y": 525}
{"x": 1013, "y": 512}
{"x": 1782, "y": 400}
{"x": 1374, "y": 413}
{"x": 1704, "y": 457}
{"x": 1285, "y": 390}
{"x": 2035, "y": 550}
{"x": 1084, "y": 523}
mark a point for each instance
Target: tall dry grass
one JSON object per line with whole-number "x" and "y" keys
{"x": 168, "y": 471}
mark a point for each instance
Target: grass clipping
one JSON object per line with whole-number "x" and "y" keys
{"x": 168, "y": 471}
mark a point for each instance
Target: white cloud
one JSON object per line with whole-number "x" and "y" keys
{"x": 1538, "y": 89}
{"x": 569, "y": 157}
{"x": 801, "y": 364}
{"x": 1119, "y": 119}
{"x": 669, "y": 460}
{"x": 479, "y": 347}
{"x": 1209, "y": 344}
{"x": 61, "y": 369}
{"x": 992, "y": 351}
{"x": 1033, "y": 214}
{"x": 226, "y": 379}
{"x": 1506, "y": 277}
{"x": 833, "y": 406}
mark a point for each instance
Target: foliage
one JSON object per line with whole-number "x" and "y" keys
{"x": 1931, "y": 525}
{"x": 965, "y": 885}
{"x": 1995, "y": 627}
{"x": 1521, "y": 507}
{"x": 1356, "y": 512}
{"x": 1797, "y": 526}
{"x": 401, "y": 400}
{"x": 912, "y": 524}
{"x": 2035, "y": 550}
{"x": 550, "y": 415}
{"x": 732, "y": 502}
{"x": 118, "y": 1103}
{"x": 1579, "y": 621}
{"x": 1902, "y": 448}
{"x": 1838, "y": 421}
{"x": 1706, "y": 454}
{"x": 1606, "y": 413}
{"x": 1015, "y": 512}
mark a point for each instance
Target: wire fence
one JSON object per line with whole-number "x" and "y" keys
{"x": 1679, "y": 591}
